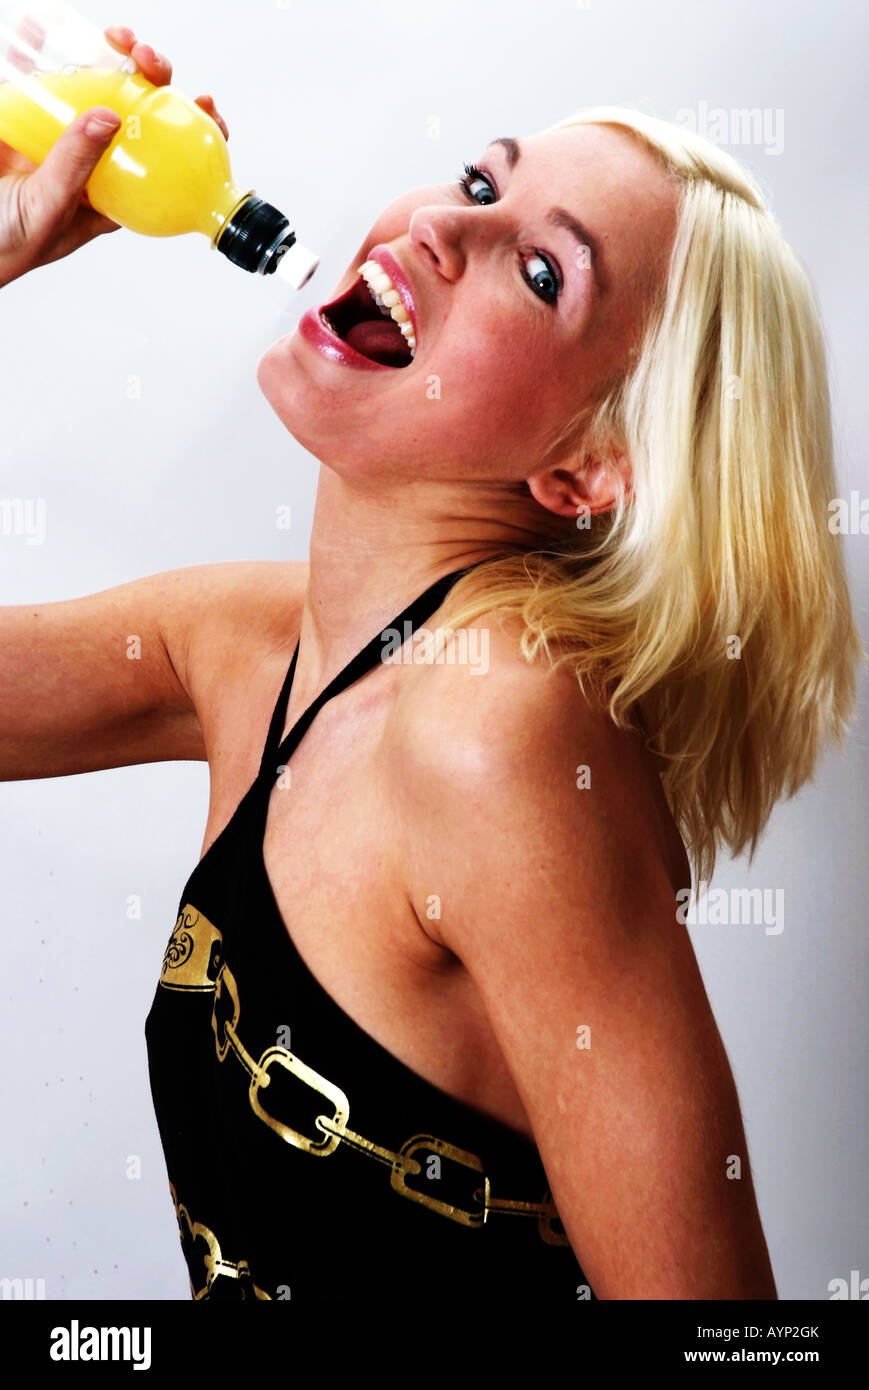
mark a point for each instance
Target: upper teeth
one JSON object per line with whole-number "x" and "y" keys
{"x": 388, "y": 300}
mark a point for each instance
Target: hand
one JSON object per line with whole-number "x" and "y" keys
{"x": 44, "y": 209}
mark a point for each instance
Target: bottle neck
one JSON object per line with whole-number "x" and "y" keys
{"x": 230, "y": 204}
{"x": 255, "y": 236}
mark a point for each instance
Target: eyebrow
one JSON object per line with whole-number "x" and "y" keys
{"x": 560, "y": 217}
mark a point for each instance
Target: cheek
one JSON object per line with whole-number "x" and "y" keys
{"x": 496, "y": 375}
{"x": 474, "y": 414}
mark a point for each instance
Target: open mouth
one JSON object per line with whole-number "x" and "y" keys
{"x": 362, "y": 324}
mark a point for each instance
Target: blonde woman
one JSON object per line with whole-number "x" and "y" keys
{"x": 428, "y": 1009}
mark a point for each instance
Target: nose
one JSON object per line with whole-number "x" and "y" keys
{"x": 437, "y": 235}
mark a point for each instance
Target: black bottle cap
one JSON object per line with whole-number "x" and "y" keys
{"x": 256, "y": 237}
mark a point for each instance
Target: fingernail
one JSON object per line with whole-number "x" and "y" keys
{"x": 148, "y": 51}
{"x": 98, "y": 129}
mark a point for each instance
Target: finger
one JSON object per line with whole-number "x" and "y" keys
{"x": 155, "y": 66}
{"x": 120, "y": 37}
{"x": 208, "y": 106}
{"x": 94, "y": 223}
{"x": 85, "y": 226}
{"x": 52, "y": 193}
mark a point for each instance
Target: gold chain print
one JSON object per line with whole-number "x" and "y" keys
{"x": 214, "y": 1266}
{"x": 194, "y": 962}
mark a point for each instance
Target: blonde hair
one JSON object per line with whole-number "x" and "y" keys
{"x": 710, "y": 609}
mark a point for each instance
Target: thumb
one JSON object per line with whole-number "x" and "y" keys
{"x": 55, "y": 188}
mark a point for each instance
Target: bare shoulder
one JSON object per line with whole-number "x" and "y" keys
{"x": 494, "y": 735}
{"x": 536, "y": 857}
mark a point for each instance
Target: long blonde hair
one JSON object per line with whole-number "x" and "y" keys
{"x": 710, "y": 608}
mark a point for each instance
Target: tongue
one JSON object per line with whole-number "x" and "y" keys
{"x": 380, "y": 339}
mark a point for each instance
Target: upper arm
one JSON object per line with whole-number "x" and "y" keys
{"x": 558, "y": 904}
{"x": 88, "y": 683}
{"x": 121, "y": 677}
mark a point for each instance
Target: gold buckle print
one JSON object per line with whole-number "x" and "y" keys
{"x": 193, "y": 954}
{"x": 200, "y": 959}
{"x": 411, "y": 1166}
{"x": 280, "y": 1057}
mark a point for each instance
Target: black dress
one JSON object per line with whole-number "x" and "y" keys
{"x": 305, "y": 1161}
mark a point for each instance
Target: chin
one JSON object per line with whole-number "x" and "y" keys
{"x": 284, "y": 389}
{"x": 277, "y": 381}
{"x": 267, "y": 368}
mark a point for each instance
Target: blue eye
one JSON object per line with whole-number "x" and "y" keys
{"x": 473, "y": 175}
{"x": 545, "y": 282}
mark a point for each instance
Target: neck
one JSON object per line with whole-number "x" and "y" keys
{"x": 375, "y": 549}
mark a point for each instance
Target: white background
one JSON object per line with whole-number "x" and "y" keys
{"x": 330, "y": 110}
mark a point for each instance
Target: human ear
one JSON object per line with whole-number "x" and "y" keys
{"x": 593, "y": 485}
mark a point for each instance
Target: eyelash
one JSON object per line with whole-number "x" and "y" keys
{"x": 471, "y": 174}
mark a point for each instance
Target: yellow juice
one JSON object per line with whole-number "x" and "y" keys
{"x": 167, "y": 170}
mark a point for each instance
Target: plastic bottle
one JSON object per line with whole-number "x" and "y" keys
{"x": 167, "y": 170}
